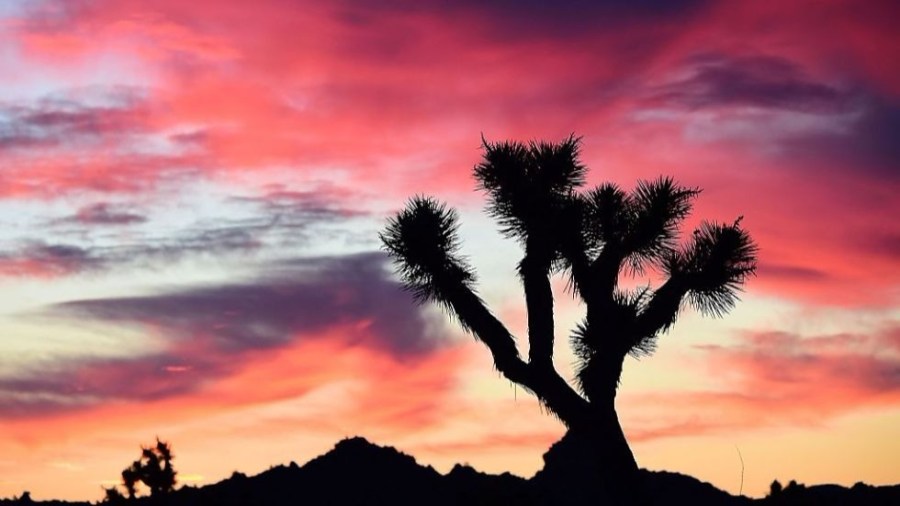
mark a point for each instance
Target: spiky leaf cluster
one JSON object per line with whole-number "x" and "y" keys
{"x": 715, "y": 264}
{"x": 641, "y": 226}
{"x": 658, "y": 207}
{"x": 607, "y": 210}
{"x": 423, "y": 240}
{"x": 154, "y": 469}
{"x": 530, "y": 185}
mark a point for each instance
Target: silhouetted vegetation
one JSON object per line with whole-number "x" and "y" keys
{"x": 154, "y": 469}
{"x": 594, "y": 237}
{"x": 113, "y": 496}
{"x": 357, "y": 472}
{"x": 775, "y": 488}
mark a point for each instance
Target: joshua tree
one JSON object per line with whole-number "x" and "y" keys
{"x": 154, "y": 469}
{"x": 131, "y": 475}
{"x": 594, "y": 237}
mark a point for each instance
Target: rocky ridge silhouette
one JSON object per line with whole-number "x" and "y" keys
{"x": 357, "y": 472}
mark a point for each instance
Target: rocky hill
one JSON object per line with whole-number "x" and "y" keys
{"x": 357, "y": 472}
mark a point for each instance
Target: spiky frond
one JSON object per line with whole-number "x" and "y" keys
{"x": 607, "y": 214}
{"x": 576, "y": 247}
{"x": 715, "y": 265}
{"x": 597, "y": 370}
{"x": 556, "y": 166}
{"x": 657, "y": 209}
{"x": 613, "y": 333}
{"x": 633, "y": 303}
{"x": 584, "y": 353}
{"x": 528, "y": 184}
{"x": 423, "y": 241}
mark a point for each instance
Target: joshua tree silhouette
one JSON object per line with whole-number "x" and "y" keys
{"x": 154, "y": 469}
{"x": 593, "y": 237}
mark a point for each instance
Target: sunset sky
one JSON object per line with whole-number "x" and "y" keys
{"x": 191, "y": 194}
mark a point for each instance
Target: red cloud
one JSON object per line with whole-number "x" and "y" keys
{"x": 382, "y": 392}
{"x": 786, "y": 127}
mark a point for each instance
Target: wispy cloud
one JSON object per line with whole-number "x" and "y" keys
{"x": 268, "y": 222}
{"x": 210, "y": 331}
{"x": 780, "y": 380}
{"x": 719, "y": 80}
{"x": 56, "y": 121}
{"x": 104, "y": 213}
{"x": 42, "y": 260}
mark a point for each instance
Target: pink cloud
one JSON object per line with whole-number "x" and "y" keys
{"x": 778, "y": 379}
{"x": 208, "y": 331}
{"x": 778, "y": 127}
{"x": 387, "y": 393}
{"x": 345, "y": 84}
{"x": 40, "y": 260}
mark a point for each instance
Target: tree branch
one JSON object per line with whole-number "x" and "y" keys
{"x": 422, "y": 239}
{"x": 662, "y": 309}
{"x": 553, "y": 391}
{"x": 475, "y": 317}
{"x": 534, "y": 270}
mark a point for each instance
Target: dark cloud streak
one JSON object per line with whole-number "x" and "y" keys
{"x": 869, "y": 144}
{"x": 759, "y": 81}
{"x": 103, "y": 213}
{"x": 208, "y": 330}
{"x": 47, "y": 260}
{"x": 849, "y": 123}
{"x": 307, "y": 295}
{"x": 55, "y": 121}
{"x": 274, "y": 220}
{"x": 531, "y": 18}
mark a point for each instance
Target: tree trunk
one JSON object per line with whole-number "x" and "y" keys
{"x": 592, "y": 463}
{"x": 618, "y": 468}
{"x": 593, "y": 460}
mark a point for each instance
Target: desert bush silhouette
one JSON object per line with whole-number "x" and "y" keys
{"x": 154, "y": 469}
{"x": 594, "y": 237}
